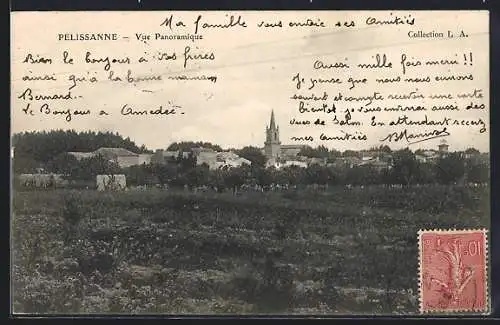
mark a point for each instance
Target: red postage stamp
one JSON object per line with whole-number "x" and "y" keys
{"x": 453, "y": 271}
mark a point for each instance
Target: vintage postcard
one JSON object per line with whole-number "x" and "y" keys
{"x": 274, "y": 162}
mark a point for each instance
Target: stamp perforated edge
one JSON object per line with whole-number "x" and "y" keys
{"x": 486, "y": 270}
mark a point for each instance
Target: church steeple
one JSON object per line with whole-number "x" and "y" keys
{"x": 272, "y": 124}
{"x": 273, "y": 131}
{"x": 272, "y": 146}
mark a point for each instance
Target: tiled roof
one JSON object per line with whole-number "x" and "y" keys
{"x": 81, "y": 154}
{"x": 351, "y": 159}
{"x": 429, "y": 153}
{"x": 292, "y": 146}
{"x": 374, "y": 163}
{"x": 170, "y": 153}
{"x": 227, "y": 155}
{"x": 115, "y": 152}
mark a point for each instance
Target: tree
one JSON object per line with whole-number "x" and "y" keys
{"x": 186, "y": 146}
{"x": 186, "y": 163}
{"x": 334, "y": 154}
{"x": 419, "y": 152}
{"x": 262, "y": 176}
{"x": 293, "y": 175}
{"x": 316, "y": 174}
{"x": 473, "y": 151}
{"x": 144, "y": 149}
{"x": 234, "y": 177}
{"x": 450, "y": 169}
{"x": 405, "y": 167}
{"x": 198, "y": 176}
{"x": 351, "y": 153}
{"x": 363, "y": 175}
{"x": 478, "y": 173}
{"x": 89, "y": 168}
{"x": 136, "y": 175}
{"x": 318, "y": 152}
{"x": 426, "y": 173}
{"x": 323, "y": 151}
{"x": 307, "y": 151}
{"x": 253, "y": 154}
{"x": 44, "y": 146}
{"x": 216, "y": 180}
{"x": 24, "y": 164}
{"x": 167, "y": 172}
{"x": 63, "y": 163}
{"x": 338, "y": 175}
{"x": 385, "y": 149}
{"x": 145, "y": 174}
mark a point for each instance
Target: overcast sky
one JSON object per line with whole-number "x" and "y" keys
{"x": 254, "y": 68}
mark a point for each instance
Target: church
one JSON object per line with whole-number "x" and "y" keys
{"x": 274, "y": 151}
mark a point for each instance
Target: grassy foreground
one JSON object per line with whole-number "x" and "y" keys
{"x": 333, "y": 252}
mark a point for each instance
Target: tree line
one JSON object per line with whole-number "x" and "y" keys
{"x": 185, "y": 172}
{"x": 36, "y": 149}
{"x": 49, "y": 150}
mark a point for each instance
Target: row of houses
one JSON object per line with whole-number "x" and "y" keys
{"x": 214, "y": 159}
{"x": 379, "y": 160}
{"x": 125, "y": 158}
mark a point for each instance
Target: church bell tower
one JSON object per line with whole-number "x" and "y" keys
{"x": 272, "y": 146}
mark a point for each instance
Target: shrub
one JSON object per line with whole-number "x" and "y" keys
{"x": 73, "y": 211}
{"x": 134, "y": 235}
{"x": 43, "y": 294}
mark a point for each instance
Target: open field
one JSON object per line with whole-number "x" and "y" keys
{"x": 335, "y": 251}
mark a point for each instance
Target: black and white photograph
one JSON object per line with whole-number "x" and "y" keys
{"x": 249, "y": 163}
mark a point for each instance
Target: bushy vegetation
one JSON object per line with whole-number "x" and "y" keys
{"x": 250, "y": 239}
{"x": 48, "y": 150}
{"x": 334, "y": 251}
{"x": 180, "y": 172}
{"x": 38, "y": 149}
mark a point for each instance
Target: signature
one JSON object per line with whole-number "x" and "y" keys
{"x": 411, "y": 137}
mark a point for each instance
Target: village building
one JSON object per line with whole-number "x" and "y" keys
{"x": 346, "y": 162}
{"x": 164, "y": 156}
{"x": 279, "y": 155}
{"x": 369, "y": 155}
{"x": 111, "y": 182}
{"x": 443, "y": 147}
{"x": 317, "y": 161}
{"x": 291, "y": 150}
{"x": 432, "y": 156}
{"x": 230, "y": 159}
{"x": 123, "y": 157}
{"x": 376, "y": 163}
{"x": 144, "y": 159}
{"x": 272, "y": 146}
{"x": 81, "y": 155}
{"x": 475, "y": 156}
{"x": 275, "y": 152}
{"x": 484, "y": 157}
{"x": 213, "y": 159}
{"x": 290, "y": 163}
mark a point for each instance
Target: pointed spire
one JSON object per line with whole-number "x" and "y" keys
{"x": 272, "y": 124}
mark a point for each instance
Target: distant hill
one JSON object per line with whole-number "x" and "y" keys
{"x": 43, "y": 146}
